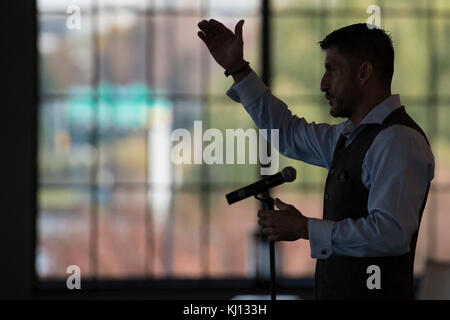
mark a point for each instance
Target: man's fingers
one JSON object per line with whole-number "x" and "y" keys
{"x": 271, "y": 234}
{"x": 214, "y": 26}
{"x": 265, "y": 213}
{"x": 265, "y": 222}
{"x": 204, "y": 37}
{"x": 219, "y": 25}
{"x": 207, "y": 28}
{"x": 238, "y": 29}
{"x": 281, "y": 205}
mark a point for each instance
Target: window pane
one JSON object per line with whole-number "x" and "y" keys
{"x": 179, "y": 229}
{"x": 65, "y": 146}
{"x": 289, "y": 4}
{"x": 357, "y": 4}
{"x": 439, "y": 249}
{"x": 194, "y": 5}
{"x": 297, "y": 60}
{"x": 122, "y": 55}
{"x": 122, "y": 141}
{"x": 406, "y": 34}
{"x": 218, "y": 116}
{"x": 419, "y": 112}
{"x": 65, "y": 55}
{"x": 63, "y": 232}
{"x": 231, "y": 236}
{"x": 229, "y": 115}
{"x": 441, "y": 145}
{"x": 184, "y": 114}
{"x": 62, "y": 5}
{"x": 360, "y": 5}
{"x": 411, "y": 4}
{"x": 122, "y": 233}
{"x": 175, "y": 55}
{"x": 442, "y": 27}
{"x": 233, "y": 7}
{"x": 123, "y": 4}
{"x": 441, "y": 4}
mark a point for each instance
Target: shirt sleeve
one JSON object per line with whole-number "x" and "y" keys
{"x": 320, "y": 234}
{"x": 309, "y": 142}
{"x": 397, "y": 171}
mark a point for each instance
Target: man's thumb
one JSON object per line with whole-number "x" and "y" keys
{"x": 281, "y": 205}
{"x": 238, "y": 29}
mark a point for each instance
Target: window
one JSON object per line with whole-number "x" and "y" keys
{"x": 112, "y": 91}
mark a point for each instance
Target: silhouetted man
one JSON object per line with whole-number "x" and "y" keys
{"x": 379, "y": 160}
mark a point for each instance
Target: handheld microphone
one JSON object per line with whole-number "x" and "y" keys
{"x": 288, "y": 174}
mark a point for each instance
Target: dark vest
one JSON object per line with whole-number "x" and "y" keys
{"x": 345, "y": 277}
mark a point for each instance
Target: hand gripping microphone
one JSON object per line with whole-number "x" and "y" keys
{"x": 288, "y": 174}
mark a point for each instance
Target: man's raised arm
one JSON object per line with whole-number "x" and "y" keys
{"x": 308, "y": 142}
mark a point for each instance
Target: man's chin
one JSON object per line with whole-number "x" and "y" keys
{"x": 334, "y": 113}
{"x": 339, "y": 113}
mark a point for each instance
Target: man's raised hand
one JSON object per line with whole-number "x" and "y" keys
{"x": 225, "y": 46}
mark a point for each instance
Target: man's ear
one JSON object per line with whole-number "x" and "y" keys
{"x": 365, "y": 72}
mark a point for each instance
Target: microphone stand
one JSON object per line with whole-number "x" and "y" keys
{"x": 269, "y": 204}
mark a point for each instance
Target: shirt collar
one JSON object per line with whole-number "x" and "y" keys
{"x": 376, "y": 115}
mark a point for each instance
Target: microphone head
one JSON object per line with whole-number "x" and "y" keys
{"x": 289, "y": 174}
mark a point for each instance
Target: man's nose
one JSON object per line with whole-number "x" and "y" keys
{"x": 323, "y": 84}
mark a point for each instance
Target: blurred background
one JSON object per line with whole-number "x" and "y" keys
{"x": 111, "y": 92}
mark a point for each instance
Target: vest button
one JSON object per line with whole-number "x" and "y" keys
{"x": 323, "y": 251}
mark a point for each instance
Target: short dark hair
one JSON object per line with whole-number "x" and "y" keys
{"x": 361, "y": 43}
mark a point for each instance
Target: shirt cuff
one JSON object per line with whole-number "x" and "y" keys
{"x": 248, "y": 89}
{"x": 320, "y": 233}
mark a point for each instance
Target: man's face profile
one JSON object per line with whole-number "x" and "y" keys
{"x": 339, "y": 83}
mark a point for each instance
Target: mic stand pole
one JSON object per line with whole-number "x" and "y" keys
{"x": 269, "y": 204}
